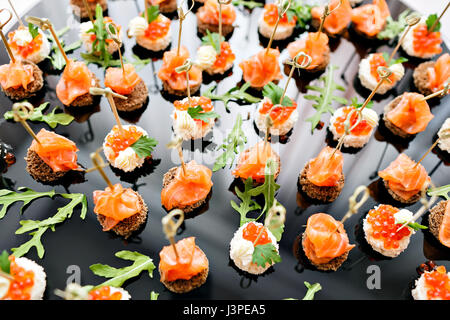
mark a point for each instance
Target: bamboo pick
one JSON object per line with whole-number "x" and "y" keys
{"x": 15, "y": 13}
{"x": 277, "y": 214}
{"x": 384, "y": 74}
{"x": 21, "y": 112}
{"x": 326, "y": 13}
{"x": 444, "y": 137}
{"x": 181, "y": 16}
{"x": 5, "y": 42}
{"x": 146, "y": 10}
{"x": 281, "y": 12}
{"x": 176, "y": 144}
{"x": 354, "y": 206}
{"x": 6, "y": 275}
{"x": 221, "y": 2}
{"x": 440, "y": 93}
{"x": 306, "y": 62}
{"x": 98, "y": 162}
{"x": 186, "y": 67}
{"x": 113, "y": 33}
{"x": 88, "y": 9}
{"x": 170, "y": 227}
{"x": 411, "y": 20}
{"x": 439, "y": 18}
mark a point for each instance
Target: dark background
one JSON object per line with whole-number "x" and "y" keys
{"x": 82, "y": 243}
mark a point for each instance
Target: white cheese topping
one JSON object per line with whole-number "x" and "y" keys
{"x": 444, "y": 144}
{"x": 22, "y": 37}
{"x": 137, "y": 27}
{"x": 37, "y": 292}
{"x": 421, "y": 289}
{"x": 206, "y": 56}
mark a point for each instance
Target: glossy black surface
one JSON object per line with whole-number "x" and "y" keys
{"x": 82, "y": 243}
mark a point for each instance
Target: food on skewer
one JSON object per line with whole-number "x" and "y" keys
{"x": 80, "y": 9}
{"x": 316, "y": 46}
{"x": 370, "y": 19}
{"x": 165, "y": 6}
{"x": 25, "y": 46}
{"x": 439, "y": 222}
{"x": 208, "y": 17}
{"x": 215, "y": 55}
{"x": 421, "y": 43}
{"x": 322, "y": 178}
{"x": 120, "y": 209}
{"x": 262, "y": 68}
{"x": 382, "y": 230}
{"x": 268, "y": 20}
{"x": 339, "y": 19}
{"x": 407, "y": 115}
{"x": 7, "y": 157}
{"x": 153, "y": 34}
{"x": 325, "y": 242}
{"x": 21, "y": 79}
{"x": 405, "y": 180}
{"x": 252, "y": 163}
{"x": 444, "y": 144}
{"x": 431, "y": 76}
{"x": 88, "y": 36}
{"x": 433, "y": 285}
{"x": 74, "y": 291}
{"x": 25, "y": 279}
{"x": 243, "y": 244}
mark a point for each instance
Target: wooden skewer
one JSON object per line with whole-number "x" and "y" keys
{"x": 446, "y": 136}
{"x": 439, "y": 18}
{"x": 294, "y": 63}
{"x": 384, "y": 74}
{"x": 186, "y": 67}
{"x": 181, "y": 16}
{"x": 6, "y": 275}
{"x": 353, "y": 204}
{"x": 146, "y": 10}
{"x": 113, "y": 33}
{"x": 5, "y": 41}
{"x": 441, "y": 92}
{"x": 411, "y": 20}
{"x": 281, "y": 12}
{"x": 15, "y": 13}
{"x": 88, "y": 9}
{"x": 221, "y": 2}
{"x": 98, "y": 162}
{"x": 326, "y": 13}
{"x": 170, "y": 227}
{"x": 21, "y": 112}
{"x": 176, "y": 144}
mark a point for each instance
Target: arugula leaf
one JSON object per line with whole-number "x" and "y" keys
{"x": 325, "y": 98}
{"x": 34, "y": 31}
{"x": 213, "y": 39}
{"x": 117, "y": 277}
{"x": 144, "y": 146}
{"x": 440, "y": 191}
{"x": 269, "y": 187}
{"x": 431, "y": 20}
{"x": 52, "y": 119}
{"x": 91, "y": 58}
{"x": 55, "y": 56}
{"x": 357, "y": 105}
{"x": 276, "y": 229}
{"x": 138, "y": 63}
{"x": 395, "y": 61}
{"x": 393, "y": 28}
{"x": 301, "y": 11}
{"x": 236, "y": 139}
{"x": 312, "y": 290}
{"x": 274, "y": 93}
{"x": 234, "y": 94}
{"x": 414, "y": 225}
{"x": 198, "y": 113}
{"x": 247, "y": 205}
{"x": 154, "y": 295}
{"x": 8, "y": 197}
{"x": 152, "y": 13}
{"x": 5, "y": 264}
{"x": 249, "y": 4}
{"x": 37, "y": 228}
{"x": 265, "y": 253}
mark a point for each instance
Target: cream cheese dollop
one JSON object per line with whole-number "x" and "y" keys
{"x": 84, "y": 33}
{"x": 444, "y": 144}
{"x": 206, "y": 56}
{"x": 184, "y": 125}
{"x": 137, "y": 27}
{"x": 403, "y": 216}
{"x": 370, "y": 116}
{"x": 22, "y": 37}
{"x": 4, "y": 286}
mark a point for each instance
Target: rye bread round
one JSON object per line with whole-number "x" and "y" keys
{"x": 135, "y": 100}
{"x": 86, "y": 99}
{"x": 181, "y": 93}
{"x": 40, "y": 171}
{"x": 126, "y": 227}
{"x": 331, "y": 265}
{"x": 182, "y": 285}
{"x": 323, "y": 194}
{"x": 167, "y": 6}
{"x": 436, "y": 217}
{"x": 36, "y": 85}
{"x": 80, "y": 10}
{"x": 203, "y": 26}
{"x": 421, "y": 78}
{"x": 389, "y": 125}
{"x": 397, "y": 198}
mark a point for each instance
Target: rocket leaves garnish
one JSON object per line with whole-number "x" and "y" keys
{"x": 325, "y": 98}
{"x": 393, "y": 27}
{"x": 234, "y": 94}
{"x": 269, "y": 187}
{"x": 247, "y": 205}
{"x": 232, "y": 145}
{"x": 312, "y": 290}
{"x": 138, "y": 63}
{"x": 301, "y": 11}
{"x": 212, "y": 39}
{"x": 37, "y": 228}
{"x": 56, "y": 57}
{"x": 144, "y": 146}
{"x": 431, "y": 20}
{"x": 53, "y": 119}
{"x": 394, "y": 61}
{"x": 414, "y": 225}
{"x": 199, "y": 114}
{"x": 116, "y": 276}
{"x": 265, "y": 253}
{"x": 275, "y": 226}
{"x": 8, "y": 197}
{"x": 34, "y": 31}
{"x": 5, "y": 264}
{"x": 154, "y": 295}
{"x": 152, "y": 13}
{"x": 274, "y": 93}
{"x": 440, "y": 191}
{"x": 358, "y": 105}
{"x": 249, "y": 4}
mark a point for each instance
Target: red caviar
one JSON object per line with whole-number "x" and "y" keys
{"x": 19, "y": 288}
{"x": 439, "y": 284}
{"x": 204, "y": 102}
{"x": 251, "y": 232}
{"x": 271, "y": 16}
{"x": 384, "y": 226}
{"x": 104, "y": 293}
{"x": 426, "y": 42}
{"x": 117, "y": 142}
{"x": 376, "y": 61}
{"x": 279, "y": 114}
{"x": 362, "y": 129}
{"x": 226, "y": 55}
{"x": 30, "y": 48}
{"x": 157, "y": 28}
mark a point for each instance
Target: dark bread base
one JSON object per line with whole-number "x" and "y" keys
{"x": 421, "y": 79}
{"x": 135, "y": 100}
{"x": 227, "y": 29}
{"x": 332, "y": 265}
{"x": 182, "y": 93}
{"x": 392, "y": 127}
{"x": 80, "y": 10}
{"x": 35, "y": 86}
{"x": 397, "y": 198}
{"x": 323, "y": 194}
{"x": 86, "y": 99}
{"x": 436, "y": 217}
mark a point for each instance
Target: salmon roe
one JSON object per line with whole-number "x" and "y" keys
{"x": 20, "y": 288}
{"x": 279, "y": 114}
{"x": 225, "y": 56}
{"x": 271, "y": 16}
{"x": 205, "y": 103}
{"x": 117, "y": 142}
{"x": 104, "y": 293}
{"x": 362, "y": 129}
{"x": 426, "y": 42}
{"x": 438, "y": 283}
{"x": 376, "y": 61}
{"x": 157, "y": 28}
{"x": 28, "y": 49}
{"x": 384, "y": 226}
{"x": 251, "y": 232}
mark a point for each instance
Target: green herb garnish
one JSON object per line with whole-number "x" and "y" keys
{"x": 56, "y": 57}
{"x": 414, "y": 225}
{"x": 301, "y": 11}
{"x": 440, "y": 192}
{"x": 144, "y": 146}
{"x": 431, "y": 20}
{"x": 358, "y": 105}
{"x": 269, "y": 187}
{"x": 199, "y": 114}
{"x": 274, "y": 227}
{"x": 5, "y": 264}
{"x": 234, "y": 94}
{"x": 34, "y": 31}
{"x": 312, "y": 290}
{"x": 247, "y": 203}
{"x": 265, "y": 253}
{"x": 8, "y": 197}
{"x": 138, "y": 63}
{"x": 53, "y": 119}
{"x": 393, "y": 61}
{"x": 154, "y": 295}
{"x": 393, "y": 28}
{"x": 213, "y": 39}
{"x": 152, "y": 13}
{"x": 274, "y": 93}
{"x": 249, "y": 4}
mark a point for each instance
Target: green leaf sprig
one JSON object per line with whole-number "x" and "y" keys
{"x": 248, "y": 4}
{"x": 301, "y": 11}
{"x": 247, "y": 203}
{"x": 144, "y": 146}
{"x": 358, "y": 105}
{"x": 394, "y": 27}
{"x": 154, "y": 295}
{"x": 234, "y": 94}
{"x": 326, "y": 96}
{"x": 431, "y": 20}
{"x": 55, "y": 56}
{"x": 5, "y": 264}
{"x": 312, "y": 290}
{"x": 53, "y": 119}
{"x": 118, "y": 276}
{"x": 414, "y": 225}
{"x": 274, "y": 93}
{"x": 265, "y": 253}
{"x": 34, "y": 31}
{"x": 199, "y": 114}
{"x": 213, "y": 39}
{"x": 152, "y": 13}
{"x": 394, "y": 61}
{"x": 138, "y": 63}
{"x": 8, "y": 197}
{"x": 443, "y": 191}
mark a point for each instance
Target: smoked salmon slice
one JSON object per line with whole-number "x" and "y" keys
{"x": 252, "y": 162}
{"x": 76, "y": 81}
{"x": 370, "y": 19}
{"x": 177, "y": 80}
{"x": 115, "y": 204}
{"x": 412, "y": 114}
{"x": 120, "y": 81}
{"x": 316, "y": 48}
{"x": 338, "y": 20}
{"x": 440, "y": 73}
{"x": 404, "y": 177}
{"x": 191, "y": 261}
{"x": 326, "y": 169}
{"x": 16, "y": 75}
{"x": 209, "y": 13}
{"x": 262, "y": 68}
{"x": 187, "y": 188}
{"x": 325, "y": 239}
{"x": 444, "y": 230}
{"x": 57, "y": 151}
